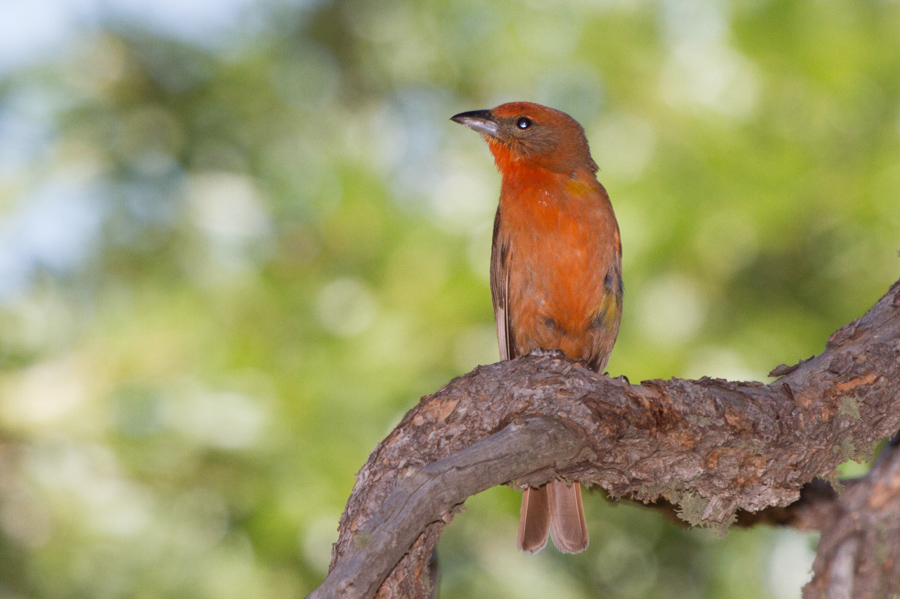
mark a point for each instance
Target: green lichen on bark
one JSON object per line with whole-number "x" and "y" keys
{"x": 691, "y": 508}
{"x": 849, "y": 407}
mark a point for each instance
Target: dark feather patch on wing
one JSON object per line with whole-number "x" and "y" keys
{"x": 500, "y": 291}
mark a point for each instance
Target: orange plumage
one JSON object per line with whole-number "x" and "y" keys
{"x": 555, "y": 271}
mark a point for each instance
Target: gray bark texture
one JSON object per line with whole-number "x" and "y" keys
{"x": 714, "y": 451}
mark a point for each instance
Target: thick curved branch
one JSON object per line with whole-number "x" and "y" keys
{"x": 859, "y": 552}
{"x": 710, "y": 447}
{"x": 425, "y": 496}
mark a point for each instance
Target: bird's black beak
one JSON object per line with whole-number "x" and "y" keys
{"x": 479, "y": 120}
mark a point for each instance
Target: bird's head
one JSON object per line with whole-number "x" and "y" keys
{"x": 528, "y": 135}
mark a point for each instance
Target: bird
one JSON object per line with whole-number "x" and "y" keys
{"x": 556, "y": 272}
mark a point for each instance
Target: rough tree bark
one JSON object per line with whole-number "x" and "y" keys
{"x": 710, "y": 448}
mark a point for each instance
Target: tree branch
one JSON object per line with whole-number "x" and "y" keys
{"x": 858, "y": 555}
{"x": 424, "y": 496}
{"x": 709, "y": 447}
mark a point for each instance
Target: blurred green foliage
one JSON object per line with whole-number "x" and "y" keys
{"x": 228, "y": 268}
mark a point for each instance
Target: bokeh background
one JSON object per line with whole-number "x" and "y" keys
{"x": 240, "y": 238}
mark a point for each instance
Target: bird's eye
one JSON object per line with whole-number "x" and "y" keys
{"x": 523, "y": 123}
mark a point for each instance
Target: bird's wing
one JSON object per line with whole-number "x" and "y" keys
{"x": 500, "y": 291}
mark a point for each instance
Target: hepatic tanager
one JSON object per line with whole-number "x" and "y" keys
{"x": 556, "y": 271}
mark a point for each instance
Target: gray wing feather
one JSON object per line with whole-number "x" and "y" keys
{"x": 500, "y": 291}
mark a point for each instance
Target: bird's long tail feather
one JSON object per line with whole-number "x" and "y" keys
{"x": 534, "y": 521}
{"x": 568, "y": 528}
{"x": 555, "y": 509}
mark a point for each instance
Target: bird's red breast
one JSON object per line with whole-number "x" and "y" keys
{"x": 560, "y": 241}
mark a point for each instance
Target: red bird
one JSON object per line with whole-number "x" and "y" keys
{"x": 556, "y": 271}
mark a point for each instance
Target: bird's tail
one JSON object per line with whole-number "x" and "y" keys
{"x": 554, "y": 508}
{"x": 567, "y": 526}
{"x": 534, "y": 520}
